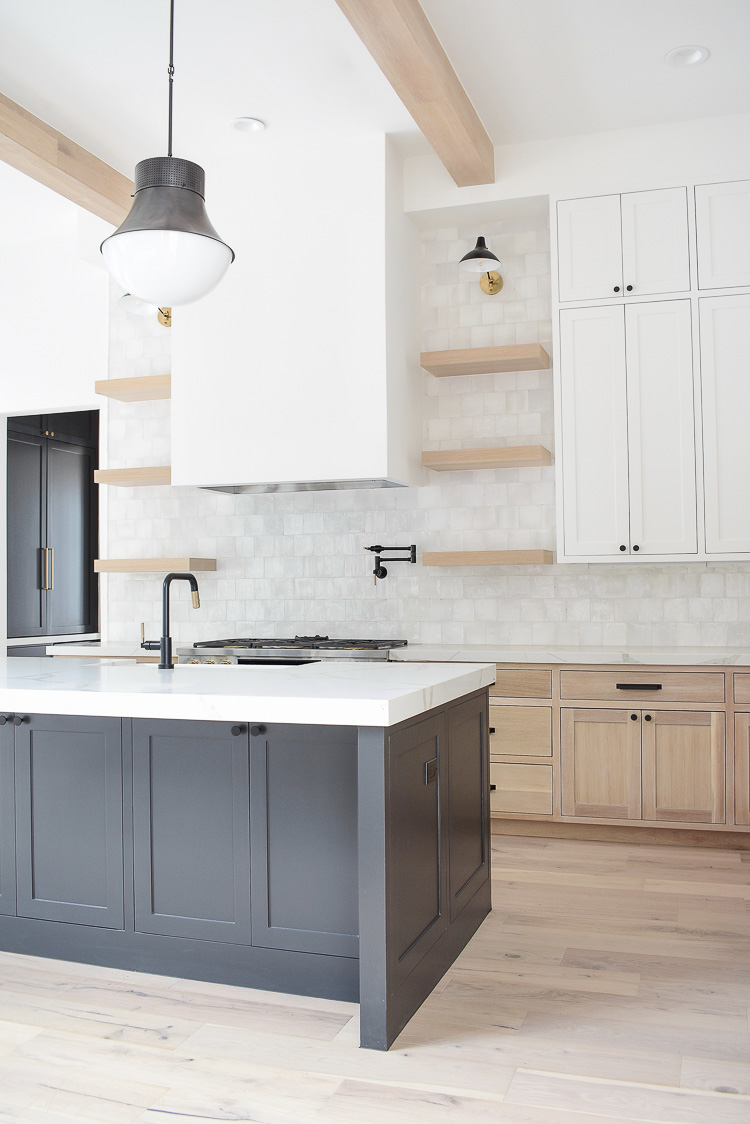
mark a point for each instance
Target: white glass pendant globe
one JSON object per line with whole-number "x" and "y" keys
{"x": 166, "y": 267}
{"x": 166, "y": 252}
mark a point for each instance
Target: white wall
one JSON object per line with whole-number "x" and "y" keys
{"x": 700, "y": 151}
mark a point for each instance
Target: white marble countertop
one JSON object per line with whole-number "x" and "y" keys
{"x": 486, "y": 653}
{"x": 340, "y": 694}
{"x": 100, "y": 649}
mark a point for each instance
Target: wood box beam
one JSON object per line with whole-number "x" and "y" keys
{"x": 41, "y": 152}
{"x": 400, "y": 38}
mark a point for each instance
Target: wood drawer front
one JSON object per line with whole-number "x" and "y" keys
{"x": 521, "y": 731}
{"x": 521, "y": 788}
{"x": 741, "y": 687}
{"x": 673, "y": 686}
{"x": 523, "y": 683}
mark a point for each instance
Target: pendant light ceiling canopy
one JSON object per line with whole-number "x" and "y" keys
{"x": 166, "y": 252}
{"x": 480, "y": 259}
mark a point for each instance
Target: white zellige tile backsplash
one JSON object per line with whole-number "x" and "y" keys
{"x": 294, "y": 563}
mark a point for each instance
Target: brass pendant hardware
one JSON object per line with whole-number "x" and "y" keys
{"x": 491, "y": 283}
{"x": 164, "y": 316}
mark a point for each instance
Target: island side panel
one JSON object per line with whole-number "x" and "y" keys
{"x": 417, "y": 910}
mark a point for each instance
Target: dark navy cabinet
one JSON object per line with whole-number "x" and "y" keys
{"x": 7, "y": 819}
{"x": 191, "y": 829}
{"x": 69, "y": 822}
{"x": 468, "y": 801}
{"x": 304, "y": 838}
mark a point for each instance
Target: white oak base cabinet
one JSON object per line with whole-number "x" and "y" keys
{"x": 658, "y": 746}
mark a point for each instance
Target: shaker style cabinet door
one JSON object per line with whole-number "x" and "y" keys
{"x": 191, "y": 828}
{"x": 69, "y": 843}
{"x": 684, "y": 769}
{"x": 724, "y": 332}
{"x": 742, "y": 769}
{"x": 594, "y": 431}
{"x": 661, "y": 428}
{"x": 7, "y": 822}
{"x": 722, "y": 219}
{"x": 589, "y": 248}
{"x": 600, "y": 754}
{"x": 655, "y": 242}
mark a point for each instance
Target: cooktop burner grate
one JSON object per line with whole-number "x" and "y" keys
{"x": 306, "y": 642}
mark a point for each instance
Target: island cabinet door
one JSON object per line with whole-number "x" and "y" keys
{"x": 468, "y": 801}
{"x": 304, "y": 838}
{"x": 7, "y": 820}
{"x": 69, "y": 844}
{"x": 191, "y": 831}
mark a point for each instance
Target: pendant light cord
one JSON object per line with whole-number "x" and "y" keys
{"x": 170, "y": 72}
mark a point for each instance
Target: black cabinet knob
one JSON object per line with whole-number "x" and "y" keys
{"x": 617, "y": 288}
{"x": 493, "y": 787}
{"x": 492, "y": 729}
{"x": 18, "y": 719}
{"x": 648, "y": 717}
{"x": 636, "y": 548}
{"x": 255, "y": 730}
{"x": 237, "y": 730}
{"x": 3, "y": 719}
{"x": 629, "y": 288}
{"x": 633, "y": 717}
{"x": 623, "y": 547}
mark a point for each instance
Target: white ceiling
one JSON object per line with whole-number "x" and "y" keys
{"x": 538, "y": 69}
{"x": 535, "y": 69}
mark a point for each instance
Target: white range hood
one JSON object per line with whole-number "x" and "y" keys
{"x": 300, "y": 371}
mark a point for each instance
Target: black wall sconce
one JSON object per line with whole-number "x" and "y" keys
{"x": 380, "y": 570}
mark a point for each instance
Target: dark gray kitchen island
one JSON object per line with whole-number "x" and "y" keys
{"x": 172, "y": 822}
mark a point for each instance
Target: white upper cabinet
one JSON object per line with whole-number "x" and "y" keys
{"x": 634, "y": 244}
{"x": 661, "y": 428}
{"x": 594, "y": 431}
{"x": 628, "y": 440}
{"x": 589, "y": 255}
{"x": 655, "y": 242}
{"x": 722, "y": 218}
{"x": 724, "y": 332}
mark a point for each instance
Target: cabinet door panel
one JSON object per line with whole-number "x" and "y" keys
{"x": 468, "y": 791}
{"x": 418, "y": 853}
{"x": 594, "y": 422}
{"x": 724, "y": 332}
{"x": 191, "y": 830}
{"x": 304, "y": 839}
{"x": 7, "y": 822}
{"x": 601, "y": 763}
{"x": 655, "y": 242}
{"x": 722, "y": 216}
{"x": 71, "y": 532}
{"x": 521, "y": 788}
{"x": 521, "y": 731}
{"x": 69, "y": 846}
{"x": 683, "y": 766}
{"x": 742, "y": 769}
{"x": 589, "y": 248}
{"x": 661, "y": 428}
{"x": 26, "y": 473}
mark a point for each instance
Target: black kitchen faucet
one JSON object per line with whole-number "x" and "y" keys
{"x": 164, "y": 646}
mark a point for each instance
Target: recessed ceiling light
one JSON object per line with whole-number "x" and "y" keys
{"x": 691, "y": 55}
{"x": 248, "y": 124}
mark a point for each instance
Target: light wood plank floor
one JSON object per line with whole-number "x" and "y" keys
{"x": 610, "y": 983}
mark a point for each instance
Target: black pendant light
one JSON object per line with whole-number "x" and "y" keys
{"x": 480, "y": 259}
{"x": 166, "y": 252}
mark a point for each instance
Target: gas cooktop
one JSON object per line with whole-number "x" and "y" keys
{"x": 301, "y": 649}
{"x": 306, "y": 642}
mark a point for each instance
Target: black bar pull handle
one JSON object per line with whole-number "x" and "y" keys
{"x": 638, "y": 686}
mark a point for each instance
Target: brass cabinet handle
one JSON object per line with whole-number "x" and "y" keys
{"x": 45, "y": 581}
{"x": 51, "y": 567}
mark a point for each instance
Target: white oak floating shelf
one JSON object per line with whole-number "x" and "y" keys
{"x": 486, "y": 360}
{"x": 151, "y": 565}
{"x": 146, "y": 388}
{"x": 488, "y": 558}
{"x": 510, "y": 456}
{"x": 134, "y": 477}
